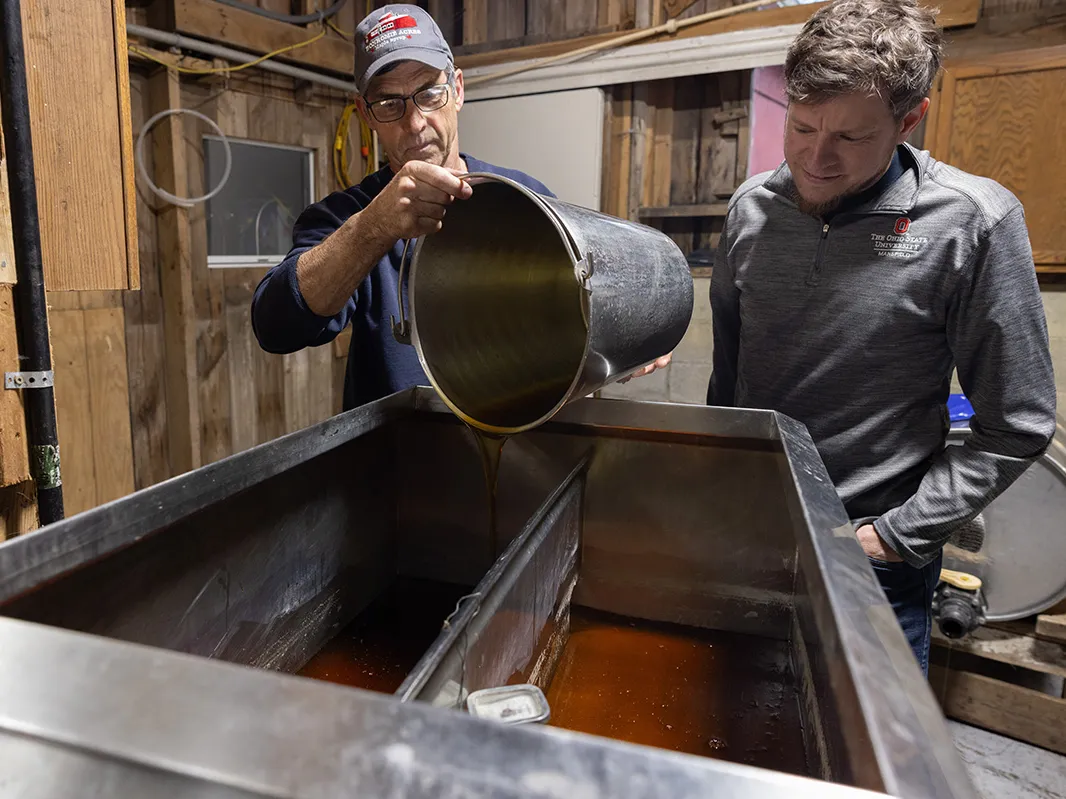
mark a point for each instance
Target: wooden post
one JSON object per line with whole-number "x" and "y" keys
{"x": 175, "y": 273}
{"x": 643, "y": 113}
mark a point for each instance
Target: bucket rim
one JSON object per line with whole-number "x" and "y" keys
{"x": 576, "y": 259}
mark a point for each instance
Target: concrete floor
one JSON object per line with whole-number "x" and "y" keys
{"x": 1002, "y": 768}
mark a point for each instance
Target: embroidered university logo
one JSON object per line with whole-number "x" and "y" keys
{"x": 899, "y": 243}
{"x": 389, "y": 28}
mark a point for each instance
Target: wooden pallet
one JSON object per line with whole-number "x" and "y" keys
{"x": 1038, "y": 645}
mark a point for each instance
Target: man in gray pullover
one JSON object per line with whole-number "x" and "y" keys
{"x": 852, "y": 280}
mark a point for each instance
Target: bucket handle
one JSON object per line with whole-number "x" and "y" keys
{"x": 401, "y": 331}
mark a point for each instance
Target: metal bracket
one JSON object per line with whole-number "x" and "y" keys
{"x": 20, "y": 380}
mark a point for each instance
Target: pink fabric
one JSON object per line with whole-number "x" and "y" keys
{"x": 768, "y": 103}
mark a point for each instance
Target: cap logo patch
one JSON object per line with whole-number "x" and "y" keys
{"x": 390, "y": 28}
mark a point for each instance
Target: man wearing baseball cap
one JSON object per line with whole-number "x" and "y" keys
{"x": 344, "y": 263}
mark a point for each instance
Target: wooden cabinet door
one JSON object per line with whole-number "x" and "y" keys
{"x": 1004, "y": 117}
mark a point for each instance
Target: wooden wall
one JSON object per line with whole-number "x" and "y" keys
{"x": 243, "y": 395}
{"x": 675, "y": 150}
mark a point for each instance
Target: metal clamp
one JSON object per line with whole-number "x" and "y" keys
{"x": 20, "y": 380}
{"x": 401, "y": 331}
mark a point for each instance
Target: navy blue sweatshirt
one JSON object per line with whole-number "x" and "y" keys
{"x": 378, "y": 365}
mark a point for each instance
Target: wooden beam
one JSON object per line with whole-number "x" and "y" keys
{"x": 175, "y": 272}
{"x": 1001, "y": 707}
{"x": 14, "y": 451}
{"x": 641, "y": 121}
{"x": 150, "y": 55}
{"x": 1052, "y": 627}
{"x": 953, "y": 13}
{"x": 1025, "y": 651}
{"x": 125, "y": 130}
{"x": 247, "y": 31}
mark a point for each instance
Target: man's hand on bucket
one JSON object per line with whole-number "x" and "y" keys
{"x": 416, "y": 199}
{"x": 659, "y": 363}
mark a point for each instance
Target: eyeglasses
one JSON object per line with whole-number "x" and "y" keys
{"x": 392, "y": 108}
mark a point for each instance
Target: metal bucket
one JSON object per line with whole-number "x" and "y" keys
{"x": 522, "y": 303}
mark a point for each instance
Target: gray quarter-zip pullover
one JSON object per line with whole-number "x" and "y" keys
{"x": 853, "y": 327}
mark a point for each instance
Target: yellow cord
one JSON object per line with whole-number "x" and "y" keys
{"x": 343, "y": 33}
{"x": 226, "y": 70}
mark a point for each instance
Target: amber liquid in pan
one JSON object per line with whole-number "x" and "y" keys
{"x": 702, "y": 692}
{"x": 384, "y": 643}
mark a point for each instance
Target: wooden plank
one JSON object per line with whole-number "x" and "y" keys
{"x": 74, "y": 412}
{"x": 656, "y": 189}
{"x": 297, "y": 372}
{"x": 1001, "y": 707}
{"x": 175, "y": 269}
{"x": 145, "y": 54}
{"x": 18, "y": 509}
{"x": 112, "y": 448}
{"x": 1025, "y": 651}
{"x": 475, "y": 21}
{"x": 693, "y": 210}
{"x": 77, "y": 142}
{"x": 270, "y": 396}
{"x": 247, "y": 31}
{"x": 14, "y": 449}
{"x": 953, "y": 13}
{"x": 709, "y": 136}
{"x": 721, "y": 175}
{"x": 7, "y": 242}
{"x": 1052, "y": 627}
{"x": 125, "y": 143}
{"x": 580, "y": 17}
{"x": 610, "y": 13}
{"x": 638, "y": 148}
{"x": 506, "y": 20}
{"x": 320, "y": 395}
{"x": 744, "y": 133}
{"x": 442, "y": 11}
{"x": 243, "y": 405}
{"x": 145, "y": 342}
{"x": 688, "y": 99}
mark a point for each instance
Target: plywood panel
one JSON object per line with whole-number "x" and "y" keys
{"x": 74, "y": 411}
{"x": 112, "y": 448}
{"x": 1004, "y": 127}
{"x": 14, "y": 455}
{"x": 77, "y": 142}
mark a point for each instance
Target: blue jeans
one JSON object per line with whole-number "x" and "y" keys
{"x": 910, "y": 592}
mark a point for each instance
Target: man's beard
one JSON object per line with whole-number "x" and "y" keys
{"x": 819, "y": 210}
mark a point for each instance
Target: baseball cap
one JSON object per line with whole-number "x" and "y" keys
{"x": 397, "y": 33}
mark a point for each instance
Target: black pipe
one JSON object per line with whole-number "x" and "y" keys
{"x": 29, "y": 296}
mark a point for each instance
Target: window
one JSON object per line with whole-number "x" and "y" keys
{"x": 249, "y": 222}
